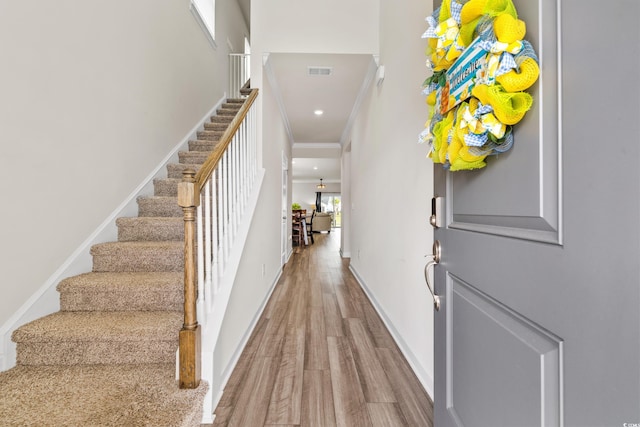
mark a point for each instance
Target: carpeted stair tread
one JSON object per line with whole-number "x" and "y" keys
{"x": 215, "y": 129}
{"x": 98, "y": 395}
{"x": 202, "y": 145}
{"x": 99, "y": 337}
{"x": 102, "y": 326}
{"x": 165, "y": 187}
{"x": 232, "y": 105}
{"x": 175, "y": 170}
{"x": 219, "y": 119}
{"x": 193, "y": 157}
{"x": 138, "y": 256}
{"x": 227, "y": 112}
{"x": 213, "y": 132}
{"x": 122, "y": 291}
{"x": 159, "y": 206}
{"x": 150, "y": 228}
{"x": 218, "y": 126}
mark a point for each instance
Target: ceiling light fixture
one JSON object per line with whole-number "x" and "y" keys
{"x": 318, "y": 112}
{"x": 321, "y": 185}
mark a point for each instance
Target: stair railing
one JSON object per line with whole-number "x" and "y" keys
{"x": 213, "y": 201}
{"x": 239, "y": 68}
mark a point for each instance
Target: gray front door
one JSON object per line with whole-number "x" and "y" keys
{"x": 539, "y": 275}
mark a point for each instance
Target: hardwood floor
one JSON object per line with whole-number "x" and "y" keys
{"x": 321, "y": 356}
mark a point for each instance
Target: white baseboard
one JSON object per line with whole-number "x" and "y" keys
{"x": 46, "y": 299}
{"x": 423, "y": 376}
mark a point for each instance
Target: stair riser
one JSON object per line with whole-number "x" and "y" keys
{"x": 209, "y": 135}
{"x": 207, "y": 146}
{"x": 167, "y": 300}
{"x": 213, "y": 132}
{"x": 193, "y": 158}
{"x": 95, "y": 353}
{"x": 215, "y": 129}
{"x": 174, "y": 170}
{"x": 148, "y": 207}
{"x": 219, "y": 119}
{"x": 138, "y": 232}
{"x": 165, "y": 188}
{"x": 140, "y": 260}
{"x": 227, "y": 112}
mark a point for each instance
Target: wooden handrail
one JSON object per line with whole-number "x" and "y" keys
{"x": 189, "y": 199}
{"x": 212, "y": 161}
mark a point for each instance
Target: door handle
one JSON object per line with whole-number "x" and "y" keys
{"x": 437, "y": 251}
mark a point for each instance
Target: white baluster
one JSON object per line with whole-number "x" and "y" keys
{"x": 200, "y": 261}
{"x": 207, "y": 242}
{"x": 214, "y": 237}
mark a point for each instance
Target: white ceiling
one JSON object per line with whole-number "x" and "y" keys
{"x": 312, "y": 169}
{"x": 300, "y": 94}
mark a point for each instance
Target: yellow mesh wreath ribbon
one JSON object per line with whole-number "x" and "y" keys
{"x": 477, "y": 8}
{"x": 509, "y": 29}
{"x": 509, "y": 108}
{"x": 515, "y": 81}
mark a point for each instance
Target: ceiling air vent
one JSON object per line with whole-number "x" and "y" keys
{"x": 320, "y": 71}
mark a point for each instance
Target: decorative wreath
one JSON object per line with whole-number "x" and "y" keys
{"x": 481, "y": 67}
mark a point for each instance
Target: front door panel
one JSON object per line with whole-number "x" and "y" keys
{"x": 520, "y": 362}
{"x": 539, "y": 276}
{"x": 520, "y": 195}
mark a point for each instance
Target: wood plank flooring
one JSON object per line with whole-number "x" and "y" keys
{"x": 321, "y": 356}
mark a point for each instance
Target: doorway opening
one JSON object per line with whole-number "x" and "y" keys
{"x": 332, "y": 202}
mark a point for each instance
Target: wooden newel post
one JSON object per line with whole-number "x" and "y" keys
{"x": 189, "y": 199}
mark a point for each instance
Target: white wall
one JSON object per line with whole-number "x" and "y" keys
{"x": 391, "y": 236}
{"x": 94, "y": 96}
{"x": 304, "y": 193}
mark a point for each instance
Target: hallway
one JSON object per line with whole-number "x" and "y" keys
{"x": 321, "y": 356}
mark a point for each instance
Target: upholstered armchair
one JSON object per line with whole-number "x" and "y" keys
{"x": 322, "y": 221}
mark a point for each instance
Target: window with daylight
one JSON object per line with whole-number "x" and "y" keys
{"x": 331, "y": 203}
{"x": 205, "y": 12}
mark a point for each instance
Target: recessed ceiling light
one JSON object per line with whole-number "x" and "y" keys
{"x": 318, "y": 112}
{"x": 315, "y": 168}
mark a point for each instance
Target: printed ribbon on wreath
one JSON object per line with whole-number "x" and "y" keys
{"x": 481, "y": 67}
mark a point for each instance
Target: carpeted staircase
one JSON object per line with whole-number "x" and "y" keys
{"x": 107, "y": 358}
